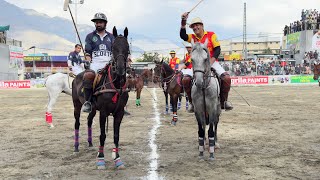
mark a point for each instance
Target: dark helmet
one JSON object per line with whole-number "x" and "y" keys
{"x": 99, "y": 16}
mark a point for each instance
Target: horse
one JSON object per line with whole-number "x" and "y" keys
{"x": 205, "y": 94}
{"x": 56, "y": 84}
{"x": 171, "y": 83}
{"x": 110, "y": 97}
{"x": 136, "y": 82}
{"x": 316, "y": 72}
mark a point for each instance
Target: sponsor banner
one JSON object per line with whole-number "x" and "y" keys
{"x": 280, "y": 79}
{"x": 249, "y": 80}
{"x": 15, "y": 84}
{"x": 16, "y": 57}
{"x": 232, "y": 57}
{"x": 38, "y": 83}
{"x": 302, "y": 79}
{"x": 316, "y": 41}
{"x": 293, "y": 41}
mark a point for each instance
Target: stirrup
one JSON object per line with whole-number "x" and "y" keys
{"x": 224, "y": 106}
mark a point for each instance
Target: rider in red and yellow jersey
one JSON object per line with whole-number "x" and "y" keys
{"x": 200, "y": 35}
{"x": 174, "y": 61}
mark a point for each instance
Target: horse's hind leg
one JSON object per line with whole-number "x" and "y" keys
{"x": 116, "y": 130}
{"x": 89, "y": 121}
{"x": 211, "y": 136}
{"x": 101, "y": 164}
{"x": 76, "y": 113}
{"x": 179, "y": 101}
{"x": 217, "y": 145}
{"x": 51, "y": 102}
{"x": 187, "y": 102}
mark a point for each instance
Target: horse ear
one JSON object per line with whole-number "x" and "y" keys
{"x": 126, "y": 32}
{"x": 114, "y": 31}
{"x": 206, "y": 43}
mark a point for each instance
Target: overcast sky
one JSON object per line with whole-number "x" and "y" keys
{"x": 161, "y": 18}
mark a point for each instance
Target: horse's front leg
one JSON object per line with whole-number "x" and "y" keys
{"x": 116, "y": 130}
{"x": 166, "y": 97}
{"x": 89, "y": 121}
{"x": 174, "y": 99}
{"x": 201, "y": 138}
{"x": 77, "y": 110}
{"x": 101, "y": 164}
{"x": 138, "y": 96}
{"x": 211, "y": 136}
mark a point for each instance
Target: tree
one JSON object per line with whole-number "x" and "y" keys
{"x": 267, "y": 51}
{"x": 148, "y": 57}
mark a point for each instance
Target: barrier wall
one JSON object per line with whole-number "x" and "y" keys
{"x": 272, "y": 80}
{"x": 235, "y": 81}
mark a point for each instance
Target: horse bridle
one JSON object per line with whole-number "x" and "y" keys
{"x": 206, "y": 75}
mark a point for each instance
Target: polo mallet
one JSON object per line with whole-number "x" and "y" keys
{"x": 195, "y": 6}
{"x": 241, "y": 96}
{"x": 65, "y": 8}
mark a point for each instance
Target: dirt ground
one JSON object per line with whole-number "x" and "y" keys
{"x": 277, "y": 137}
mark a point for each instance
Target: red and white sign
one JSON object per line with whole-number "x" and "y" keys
{"x": 14, "y": 84}
{"x": 243, "y": 80}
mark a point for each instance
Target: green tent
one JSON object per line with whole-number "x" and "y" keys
{"x": 4, "y": 28}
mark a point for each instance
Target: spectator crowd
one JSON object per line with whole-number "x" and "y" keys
{"x": 310, "y": 20}
{"x": 251, "y": 68}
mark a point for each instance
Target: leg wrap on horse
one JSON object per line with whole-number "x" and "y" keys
{"x": 224, "y": 90}
{"x": 211, "y": 144}
{"x": 201, "y": 144}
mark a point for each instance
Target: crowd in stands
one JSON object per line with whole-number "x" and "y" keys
{"x": 310, "y": 20}
{"x": 251, "y": 68}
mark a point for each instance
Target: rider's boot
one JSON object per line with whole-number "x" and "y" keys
{"x": 88, "y": 79}
{"x": 224, "y": 91}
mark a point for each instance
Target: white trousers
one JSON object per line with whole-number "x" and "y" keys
{"x": 95, "y": 66}
{"x": 216, "y": 65}
{"x": 76, "y": 69}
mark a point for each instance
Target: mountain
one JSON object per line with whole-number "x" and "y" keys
{"x": 46, "y": 33}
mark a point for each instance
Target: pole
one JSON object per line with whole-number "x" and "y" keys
{"x": 33, "y": 62}
{"x": 76, "y": 17}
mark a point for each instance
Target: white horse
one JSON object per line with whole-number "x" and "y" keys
{"x": 56, "y": 84}
{"x": 205, "y": 96}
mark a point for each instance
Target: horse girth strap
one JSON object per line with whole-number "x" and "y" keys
{"x": 97, "y": 80}
{"x": 109, "y": 91}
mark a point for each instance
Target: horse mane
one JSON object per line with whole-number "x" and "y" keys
{"x": 167, "y": 68}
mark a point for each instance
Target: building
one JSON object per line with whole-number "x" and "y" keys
{"x": 255, "y": 46}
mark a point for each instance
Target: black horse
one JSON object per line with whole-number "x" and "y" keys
{"x": 110, "y": 97}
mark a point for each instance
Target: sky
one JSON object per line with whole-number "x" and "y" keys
{"x": 160, "y": 19}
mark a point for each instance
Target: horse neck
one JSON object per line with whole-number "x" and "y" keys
{"x": 167, "y": 71}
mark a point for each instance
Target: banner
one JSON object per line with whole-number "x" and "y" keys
{"x": 16, "y": 57}
{"x": 280, "y": 79}
{"x": 316, "y": 41}
{"x": 37, "y": 58}
{"x": 4, "y": 28}
{"x": 245, "y": 80}
{"x": 293, "y": 41}
{"x": 14, "y": 84}
{"x": 302, "y": 79}
{"x": 232, "y": 57}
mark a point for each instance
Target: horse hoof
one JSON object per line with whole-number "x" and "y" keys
{"x": 51, "y": 126}
{"x": 90, "y": 145}
{"x": 101, "y": 164}
{"x": 76, "y": 150}
{"x": 119, "y": 164}
{"x": 173, "y": 123}
{"x": 102, "y": 167}
{"x": 201, "y": 158}
{"x": 121, "y": 167}
{"x": 211, "y": 159}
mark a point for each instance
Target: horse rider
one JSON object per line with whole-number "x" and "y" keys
{"x": 98, "y": 52}
{"x": 200, "y": 35}
{"x": 174, "y": 61}
{"x": 75, "y": 63}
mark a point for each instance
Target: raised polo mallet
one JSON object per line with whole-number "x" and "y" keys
{"x": 65, "y": 8}
{"x": 195, "y": 6}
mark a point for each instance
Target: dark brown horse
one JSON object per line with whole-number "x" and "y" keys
{"x": 316, "y": 72}
{"x": 110, "y": 97}
{"x": 136, "y": 82}
{"x": 172, "y": 84}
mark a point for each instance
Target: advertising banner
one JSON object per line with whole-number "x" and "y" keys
{"x": 249, "y": 80}
{"x": 316, "y": 41}
{"x": 302, "y": 79}
{"x": 16, "y": 57}
{"x": 15, "y": 84}
{"x": 280, "y": 79}
{"x": 293, "y": 41}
